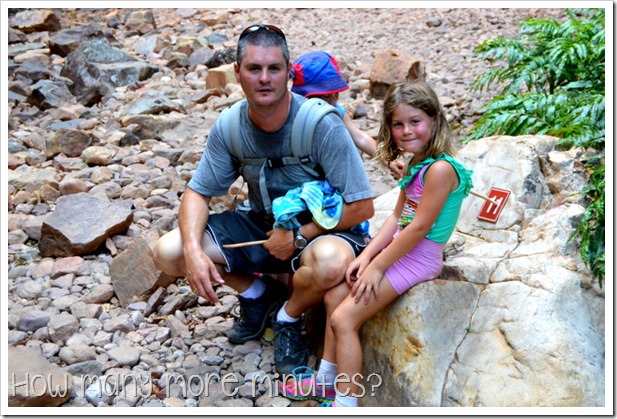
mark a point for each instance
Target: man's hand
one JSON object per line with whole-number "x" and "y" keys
{"x": 280, "y": 243}
{"x": 200, "y": 271}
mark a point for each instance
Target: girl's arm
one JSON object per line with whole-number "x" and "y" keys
{"x": 360, "y": 138}
{"x": 387, "y": 230}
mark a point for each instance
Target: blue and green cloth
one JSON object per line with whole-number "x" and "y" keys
{"x": 319, "y": 197}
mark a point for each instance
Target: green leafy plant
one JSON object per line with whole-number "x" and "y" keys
{"x": 592, "y": 228}
{"x": 552, "y": 81}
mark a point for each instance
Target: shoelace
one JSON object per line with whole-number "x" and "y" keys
{"x": 242, "y": 318}
{"x": 291, "y": 338}
{"x": 301, "y": 375}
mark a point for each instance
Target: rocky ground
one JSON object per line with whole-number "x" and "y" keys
{"x": 67, "y": 308}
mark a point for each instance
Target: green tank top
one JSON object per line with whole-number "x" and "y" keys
{"x": 445, "y": 223}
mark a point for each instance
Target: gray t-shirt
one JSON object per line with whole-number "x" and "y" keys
{"x": 332, "y": 149}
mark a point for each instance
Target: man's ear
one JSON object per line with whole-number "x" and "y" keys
{"x": 237, "y": 72}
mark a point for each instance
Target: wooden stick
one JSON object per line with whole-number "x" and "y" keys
{"x": 491, "y": 200}
{"x": 231, "y": 246}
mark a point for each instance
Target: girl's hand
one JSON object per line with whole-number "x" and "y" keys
{"x": 367, "y": 283}
{"x": 355, "y": 269}
{"x": 397, "y": 167}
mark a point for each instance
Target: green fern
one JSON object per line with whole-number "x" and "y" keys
{"x": 592, "y": 228}
{"x": 552, "y": 81}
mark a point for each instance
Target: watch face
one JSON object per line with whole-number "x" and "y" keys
{"x": 300, "y": 242}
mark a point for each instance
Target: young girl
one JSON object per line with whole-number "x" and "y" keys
{"x": 407, "y": 249}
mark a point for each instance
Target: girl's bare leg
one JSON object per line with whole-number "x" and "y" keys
{"x": 346, "y": 321}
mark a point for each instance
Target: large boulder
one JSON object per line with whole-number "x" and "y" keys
{"x": 393, "y": 66}
{"x": 35, "y": 382}
{"x": 96, "y": 69}
{"x": 514, "y": 320}
{"x": 80, "y": 224}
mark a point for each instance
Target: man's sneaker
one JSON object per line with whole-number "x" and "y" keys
{"x": 290, "y": 350}
{"x": 304, "y": 386}
{"x": 255, "y": 313}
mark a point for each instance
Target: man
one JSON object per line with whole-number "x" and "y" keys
{"x": 318, "y": 257}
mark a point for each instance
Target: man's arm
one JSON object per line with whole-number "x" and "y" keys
{"x": 281, "y": 245}
{"x": 353, "y": 214}
{"x": 192, "y": 220}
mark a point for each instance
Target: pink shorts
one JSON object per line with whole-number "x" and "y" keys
{"x": 424, "y": 262}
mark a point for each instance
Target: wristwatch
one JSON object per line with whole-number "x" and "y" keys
{"x": 300, "y": 241}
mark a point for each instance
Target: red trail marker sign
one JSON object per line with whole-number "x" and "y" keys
{"x": 490, "y": 212}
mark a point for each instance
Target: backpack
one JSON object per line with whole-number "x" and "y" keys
{"x": 307, "y": 118}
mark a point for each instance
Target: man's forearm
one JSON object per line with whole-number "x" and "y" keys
{"x": 192, "y": 219}
{"x": 355, "y": 213}
{"x": 352, "y": 215}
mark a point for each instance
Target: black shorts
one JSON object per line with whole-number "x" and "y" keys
{"x": 238, "y": 226}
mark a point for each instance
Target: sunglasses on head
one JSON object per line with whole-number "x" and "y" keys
{"x": 257, "y": 27}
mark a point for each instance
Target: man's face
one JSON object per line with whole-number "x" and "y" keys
{"x": 263, "y": 75}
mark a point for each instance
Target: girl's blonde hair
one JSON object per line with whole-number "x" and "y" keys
{"x": 421, "y": 96}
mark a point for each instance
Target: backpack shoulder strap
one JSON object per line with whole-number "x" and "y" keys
{"x": 230, "y": 128}
{"x": 309, "y": 115}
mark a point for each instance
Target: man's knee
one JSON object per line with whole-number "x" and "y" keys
{"x": 330, "y": 257}
{"x": 167, "y": 252}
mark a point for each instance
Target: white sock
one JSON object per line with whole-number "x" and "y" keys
{"x": 326, "y": 372}
{"x": 256, "y": 290}
{"x": 345, "y": 401}
{"x": 282, "y": 316}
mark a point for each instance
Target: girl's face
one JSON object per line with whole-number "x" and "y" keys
{"x": 411, "y": 129}
{"x": 331, "y": 99}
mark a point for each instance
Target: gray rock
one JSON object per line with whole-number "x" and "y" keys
{"x": 48, "y": 94}
{"x": 121, "y": 323}
{"x": 16, "y": 337}
{"x": 96, "y": 68}
{"x": 34, "y": 70}
{"x": 70, "y": 142}
{"x": 80, "y": 224}
{"x": 178, "y": 302}
{"x": 62, "y": 326}
{"x": 32, "y": 320}
{"x": 77, "y": 353}
{"x": 66, "y": 41}
{"x": 36, "y": 20}
{"x": 52, "y": 387}
{"x": 125, "y": 356}
{"x": 99, "y": 294}
{"x": 89, "y": 368}
{"x": 30, "y": 290}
